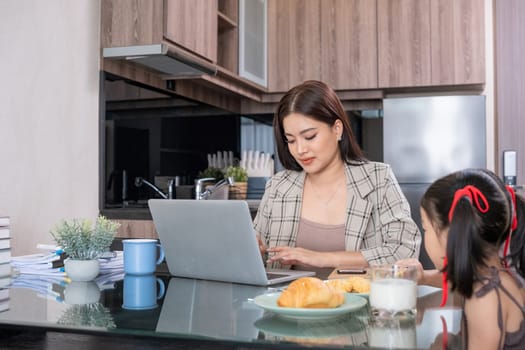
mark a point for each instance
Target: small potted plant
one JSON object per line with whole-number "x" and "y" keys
{"x": 212, "y": 172}
{"x": 83, "y": 245}
{"x": 240, "y": 177}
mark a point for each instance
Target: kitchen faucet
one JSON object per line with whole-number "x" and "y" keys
{"x": 139, "y": 181}
{"x": 200, "y": 194}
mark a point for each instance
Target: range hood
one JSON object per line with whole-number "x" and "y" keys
{"x": 170, "y": 61}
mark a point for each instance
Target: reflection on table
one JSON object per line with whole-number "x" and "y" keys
{"x": 199, "y": 309}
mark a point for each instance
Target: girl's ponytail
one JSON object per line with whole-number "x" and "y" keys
{"x": 465, "y": 238}
{"x": 464, "y": 244}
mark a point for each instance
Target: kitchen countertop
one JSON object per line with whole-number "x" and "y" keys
{"x": 141, "y": 211}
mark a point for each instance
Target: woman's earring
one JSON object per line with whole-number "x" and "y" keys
{"x": 339, "y": 138}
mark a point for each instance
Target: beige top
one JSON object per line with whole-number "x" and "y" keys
{"x": 320, "y": 237}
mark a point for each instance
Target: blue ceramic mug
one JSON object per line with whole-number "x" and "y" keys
{"x": 141, "y": 292}
{"x": 141, "y": 256}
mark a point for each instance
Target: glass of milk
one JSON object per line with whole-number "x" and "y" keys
{"x": 393, "y": 290}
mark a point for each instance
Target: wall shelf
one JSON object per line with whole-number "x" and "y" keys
{"x": 225, "y": 22}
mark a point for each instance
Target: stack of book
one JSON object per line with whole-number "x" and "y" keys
{"x": 5, "y": 251}
{"x": 5, "y": 257}
{"x": 4, "y": 299}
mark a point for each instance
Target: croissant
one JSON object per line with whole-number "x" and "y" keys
{"x": 310, "y": 292}
{"x": 342, "y": 285}
{"x": 354, "y": 284}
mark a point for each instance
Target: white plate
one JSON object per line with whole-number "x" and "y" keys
{"x": 269, "y": 303}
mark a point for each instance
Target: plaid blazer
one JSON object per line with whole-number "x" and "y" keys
{"x": 378, "y": 221}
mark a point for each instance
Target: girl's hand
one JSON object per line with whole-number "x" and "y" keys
{"x": 413, "y": 262}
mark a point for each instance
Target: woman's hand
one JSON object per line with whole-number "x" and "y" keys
{"x": 295, "y": 256}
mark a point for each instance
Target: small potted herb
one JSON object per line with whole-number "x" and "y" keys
{"x": 240, "y": 177}
{"x": 83, "y": 245}
{"x": 212, "y": 172}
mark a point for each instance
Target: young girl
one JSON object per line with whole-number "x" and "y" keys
{"x": 467, "y": 217}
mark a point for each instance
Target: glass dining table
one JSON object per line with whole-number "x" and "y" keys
{"x": 171, "y": 312}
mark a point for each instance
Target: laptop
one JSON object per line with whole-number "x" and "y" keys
{"x": 213, "y": 240}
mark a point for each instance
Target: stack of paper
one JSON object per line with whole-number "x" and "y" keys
{"x": 39, "y": 264}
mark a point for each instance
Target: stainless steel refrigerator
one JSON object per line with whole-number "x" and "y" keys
{"x": 425, "y": 138}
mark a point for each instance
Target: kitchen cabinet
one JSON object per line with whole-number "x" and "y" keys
{"x": 403, "y": 32}
{"x": 457, "y": 42}
{"x": 253, "y": 40}
{"x": 329, "y": 40}
{"x": 193, "y": 25}
{"x": 228, "y": 35}
{"x": 430, "y": 42}
{"x": 349, "y": 44}
{"x": 188, "y": 24}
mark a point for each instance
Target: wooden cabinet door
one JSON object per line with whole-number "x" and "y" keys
{"x": 403, "y": 43}
{"x": 193, "y": 25}
{"x": 304, "y": 38}
{"x": 278, "y": 45}
{"x": 349, "y": 44}
{"x": 329, "y": 40}
{"x": 293, "y": 43}
{"x": 457, "y": 40}
{"x": 126, "y": 23}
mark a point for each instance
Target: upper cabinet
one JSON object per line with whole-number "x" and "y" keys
{"x": 349, "y": 44}
{"x": 252, "y": 40}
{"x": 329, "y": 40}
{"x": 228, "y": 38}
{"x": 430, "y": 42}
{"x": 192, "y": 24}
{"x": 248, "y": 48}
{"x": 457, "y": 42}
{"x": 189, "y": 24}
{"x": 403, "y": 32}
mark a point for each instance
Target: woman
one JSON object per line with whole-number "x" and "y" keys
{"x": 467, "y": 217}
{"x": 330, "y": 207}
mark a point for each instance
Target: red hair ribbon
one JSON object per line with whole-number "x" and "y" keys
{"x": 444, "y": 284}
{"x": 474, "y": 194}
{"x": 513, "y": 226}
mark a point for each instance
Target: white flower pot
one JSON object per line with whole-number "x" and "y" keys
{"x": 81, "y": 270}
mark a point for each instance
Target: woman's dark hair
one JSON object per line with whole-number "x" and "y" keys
{"x": 473, "y": 235}
{"x": 316, "y": 100}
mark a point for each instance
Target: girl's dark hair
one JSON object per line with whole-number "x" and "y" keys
{"x": 473, "y": 235}
{"x": 316, "y": 100}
